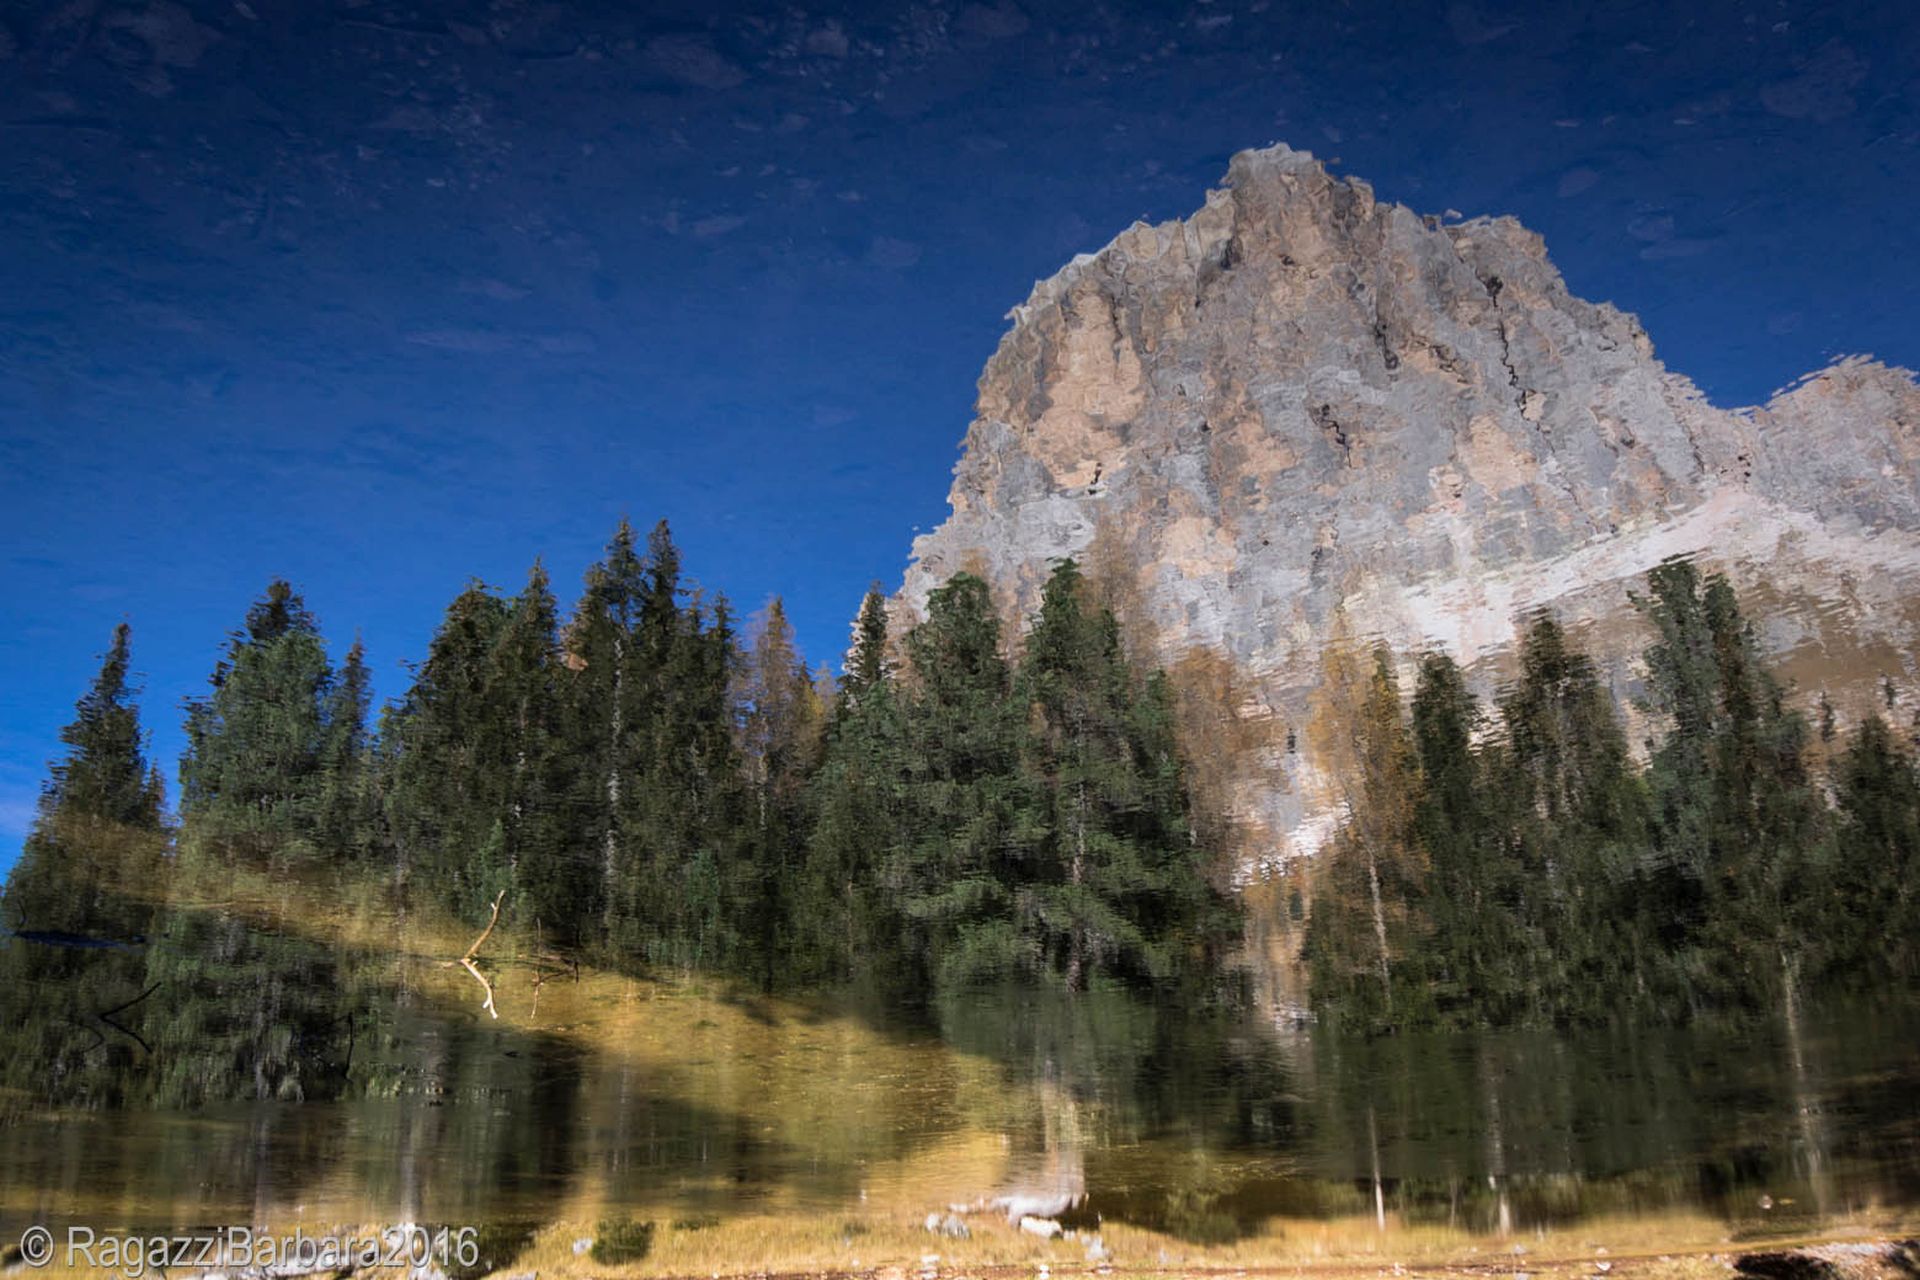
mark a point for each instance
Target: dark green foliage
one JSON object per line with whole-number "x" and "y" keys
{"x": 846, "y": 920}
{"x": 676, "y": 817}
{"x": 278, "y": 776}
{"x": 1122, "y": 887}
{"x": 780, "y": 722}
{"x": 1558, "y": 884}
{"x": 254, "y": 776}
{"x": 453, "y": 745}
{"x": 959, "y": 871}
{"x": 1036, "y": 819}
{"x": 973, "y": 823}
{"x": 349, "y": 796}
{"x": 552, "y": 881}
{"x": 79, "y": 902}
{"x": 867, "y": 667}
{"x": 1741, "y": 826}
{"x": 637, "y": 788}
{"x": 1481, "y": 956}
{"x": 1575, "y": 831}
{"x": 105, "y": 776}
{"x": 641, "y": 787}
{"x": 1874, "y": 931}
{"x": 621, "y": 1240}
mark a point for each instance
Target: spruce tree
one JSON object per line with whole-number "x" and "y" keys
{"x": 1741, "y": 828}
{"x": 1118, "y": 886}
{"x": 1580, "y": 832}
{"x": 253, "y": 778}
{"x": 607, "y": 711}
{"x": 959, "y": 874}
{"x": 548, "y": 855}
{"x": 653, "y": 725}
{"x": 1479, "y": 966}
{"x": 79, "y": 902}
{"x": 689, "y": 814}
{"x": 1872, "y": 920}
{"x": 451, "y": 755}
{"x": 866, "y": 667}
{"x": 846, "y": 915}
{"x": 781, "y": 715}
{"x": 348, "y": 796}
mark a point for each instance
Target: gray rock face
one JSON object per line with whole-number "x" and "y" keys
{"x": 1301, "y": 413}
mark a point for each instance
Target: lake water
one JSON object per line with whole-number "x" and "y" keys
{"x": 259, "y": 1076}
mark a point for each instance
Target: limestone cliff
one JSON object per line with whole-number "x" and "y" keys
{"x": 1302, "y": 413}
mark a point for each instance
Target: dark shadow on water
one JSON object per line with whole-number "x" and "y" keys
{"x": 251, "y": 1066}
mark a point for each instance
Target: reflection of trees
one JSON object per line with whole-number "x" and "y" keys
{"x": 1149, "y": 1113}
{"x": 213, "y": 1008}
{"x": 1511, "y": 1131}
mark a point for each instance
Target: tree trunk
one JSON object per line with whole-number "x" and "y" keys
{"x": 611, "y": 844}
{"x": 1379, "y": 925}
{"x": 1077, "y": 874}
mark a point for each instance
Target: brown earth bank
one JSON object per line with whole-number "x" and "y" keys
{"x": 1882, "y": 1258}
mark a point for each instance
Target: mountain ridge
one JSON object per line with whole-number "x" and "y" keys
{"x": 1302, "y": 412}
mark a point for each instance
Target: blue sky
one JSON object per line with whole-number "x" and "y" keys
{"x": 380, "y": 296}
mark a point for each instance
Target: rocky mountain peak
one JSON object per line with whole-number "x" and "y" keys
{"x": 1302, "y": 412}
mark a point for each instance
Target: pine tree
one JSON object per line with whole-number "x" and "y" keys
{"x": 957, "y": 876}
{"x": 1118, "y": 885}
{"x": 653, "y": 725}
{"x": 451, "y": 753}
{"x": 348, "y": 798}
{"x": 253, "y": 778}
{"x": 1580, "y": 832}
{"x": 1741, "y": 828}
{"x": 605, "y": 698}
{"x": 866, "y": 667}
{"x": 80, "y": 900}
{"x": 1479, "y": 968}
{"x": 1872, "y": 929}
{"x": 781, "y": 719}
{"x": 847, "y": 925}
{"x": 689, "y": 816}
{"x": 547, "y": 852}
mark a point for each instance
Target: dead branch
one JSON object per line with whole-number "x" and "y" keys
{"x": 108, "y": 1017}
{"x": 466, "y": 961}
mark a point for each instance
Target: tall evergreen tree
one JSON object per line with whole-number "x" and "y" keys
{"x": 1580, "y": 831}
{"x": 254, "y": 777}
{"x": 847, "y": 925}
{"x": 1119, "y": 884}
{"x": 451, "y": 757}
{"x": 79, "y": 902}
{"x": 1740, "y": 818}
{"x": 958, "y": 874}
{"x": 781, "y": 719}
{"x": 605, "y": 697}
{"x": 1479, "y": 965}
{"x": 653, "y": 723}
{"x": 1872, "y": 920}
{"x": 689, "y": 814}
{"x": 867, "y": 667}
{"x": 548, "y": 853}
{"x": 348, "y": 796}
